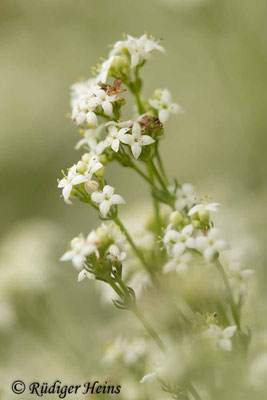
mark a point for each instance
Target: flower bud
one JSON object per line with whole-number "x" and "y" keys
{"x": 176, "y": 218}
{"x": 197, "y": 224}
{"x": 103, "y": 159}
{"x": 86, "y": 157}
{"x": 102, "y": 236}
{"x": 100, "y": 172}
{"x": 91, "y": 187}
{"x": 186, "y": 221}
{"x": 81, "y": 167}
{"x": 119, "y": 62}
{"x": 204, "y": 216}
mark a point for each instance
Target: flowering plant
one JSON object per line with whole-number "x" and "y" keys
{"x": 180, "y": 242}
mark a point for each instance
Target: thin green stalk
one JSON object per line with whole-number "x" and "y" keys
{"x": 161, "y": 167}
{"x": 157, "y": 174}
{"x": 233, "y": 306}
{"x": 156, "y": 205}
{"x": 141, "y": 173}
{"x": 133, "y": 245}
{"x": 193, "y": 391}
{"x": 149, "y": 329}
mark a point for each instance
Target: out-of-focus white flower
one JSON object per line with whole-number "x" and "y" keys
{"x": 210, "y": 244}
{"x": 104, "y": 70}
{"x": 106, "y": 199}
{"x": 221, "y": 336}
{"x": 116, "y": 133}
{"x": 176, "y": 242}
{"x": 238, "y": 277}
{"x": 79, "y": 89}
{"x": 136, "y": 140}
{"x": 258, "y": 371}
{"x": 139, "y": 48}
{"x": 207, "y": 207}
{"x": 139, "y": 281}
{"x": 115, "y": 254}
{"x": 163, "y": 103}
{"x": 90, "y": 138}
{"x": 80, "y": 249}
{"x": 67, "y": 183}
{"x": 114, "y": 232}
{"x": 84, "y": 274}
{"x": 185, "y": 196}
{"x": 179, "y": 263}
{"x": 127, "y": 351}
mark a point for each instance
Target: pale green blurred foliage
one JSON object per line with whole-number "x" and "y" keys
{"x": 216, "y": 67}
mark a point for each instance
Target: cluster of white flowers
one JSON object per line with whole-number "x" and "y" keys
{"x": 112, "y": 254}
{"x": 108, "y": 238}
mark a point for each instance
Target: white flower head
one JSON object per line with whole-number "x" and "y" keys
{"x": 164, "y": 105}
{"x": 139, "y": 48}
{"x": 176, "y": 242}
{"x": 104, "y": 70}
{"x": 178, "y": 264}
{"x": 213, "y": 207}
{"x": 106, "y": 199}
{"x": 185, "y": 196}
{"x": 210, "y": 244}
{"x": 67, "y": 183}
{"x": 221, "y": 336}
{"x": 116, "y": 133}
{"x": 136, "y": 140}
{"x": 80, "y": 249}
{"x": 114, "y": 253}
{"x": 238, "y": 277}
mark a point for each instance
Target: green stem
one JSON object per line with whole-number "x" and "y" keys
{"x": 193, "y": 391}
{"x": 141, "y": 173}
{"x": 232, "y": 303}
{"x": 161, "y": 167}
{"x": 156, "y": 205}
{"x": 130, "y": 240}
{"x": 149, "y": 329}
{"x": 161, "y": 181}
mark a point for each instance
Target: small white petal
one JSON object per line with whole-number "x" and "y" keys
{"x": 117, "y": 199}
{"x": 105, "y": 207}
{"x": 136, "y": 149}
{"x": 163, "y": 115}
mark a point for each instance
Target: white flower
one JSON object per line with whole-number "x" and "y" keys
{"x": 84, "y": 274}
{"x": 115, "y": 254}
{"x": 69, "y": 181}
{"x": 221, "y": 336}
{"x": 81, "y": 88}
{"x": 165, "y": 106}
{"x": 238, "y": 277}
{"x": 177, "y": 242}
{"x": 115, "y": 136}
{"x": 139, "y": 48}
{"x": 104, "y": 100}
{"x": 91, "y": 139}
{"x": 136, "y": 140}
{"x": 210, "y": 244}
{"x": 114, "y": 232}
{"x": 185, "y": 196}
{"x": 80, "y": 249}
{"x": 106, "y": 199}
{"x": 179, "y": 263}
{"x": 93, "y": 165}
{"x": 208, "y": 207}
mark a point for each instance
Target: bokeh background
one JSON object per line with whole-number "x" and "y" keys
{"x": 216, "y": 68}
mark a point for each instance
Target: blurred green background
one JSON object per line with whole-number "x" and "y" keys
{"x": 216, "y": 69}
